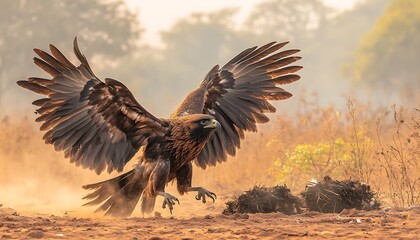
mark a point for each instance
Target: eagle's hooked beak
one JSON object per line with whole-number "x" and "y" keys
{"x": 214, "y": 124}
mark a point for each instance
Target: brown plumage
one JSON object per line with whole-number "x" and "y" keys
{"x": 99, "y": 125}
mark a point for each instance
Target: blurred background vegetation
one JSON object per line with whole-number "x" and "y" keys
{"x": 370, "y": 53}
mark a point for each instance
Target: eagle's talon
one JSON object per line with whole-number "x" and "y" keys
{"x": 213, "y": 196}
{"x": 168, "y": 200}
{"x": 202, "y": 193}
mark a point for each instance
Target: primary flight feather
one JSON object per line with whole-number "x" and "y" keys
{"x": 99, "y": 124}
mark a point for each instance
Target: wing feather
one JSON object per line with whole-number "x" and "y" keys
{"x": 99, "y": 125}
{"x": 238, "y": 94}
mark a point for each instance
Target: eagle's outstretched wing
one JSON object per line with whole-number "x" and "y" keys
{"x": 238, "y": 95}
{"x": 97, "y": 124}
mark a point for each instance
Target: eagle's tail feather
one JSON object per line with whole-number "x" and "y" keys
{"x": 119, "y": 196}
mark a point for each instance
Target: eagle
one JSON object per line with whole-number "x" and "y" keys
{"x": 99, "y": 125}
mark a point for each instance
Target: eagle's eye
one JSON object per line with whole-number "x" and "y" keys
{"x": 203, "y": 122}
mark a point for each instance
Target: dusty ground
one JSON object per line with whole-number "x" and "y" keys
{"x": 349, "y": 224}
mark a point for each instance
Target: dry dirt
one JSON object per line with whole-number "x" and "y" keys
{"x": 394, "y": 224}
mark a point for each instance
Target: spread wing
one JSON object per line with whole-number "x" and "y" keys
{"x": 238, "y": 95}
{"x": 97, "y": 124}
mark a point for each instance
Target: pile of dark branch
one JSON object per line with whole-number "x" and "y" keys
{"x": 265, "y": 200}
{"x": 333, "y": 196}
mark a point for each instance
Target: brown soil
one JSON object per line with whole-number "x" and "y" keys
{"x": 393, "y": 224}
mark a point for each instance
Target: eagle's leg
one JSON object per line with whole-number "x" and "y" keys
{"x": 183, "y": 179}
{"x": 157, "y": 180}
{"x": 168, "y": 200}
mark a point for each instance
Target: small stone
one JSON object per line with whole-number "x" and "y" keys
{"x": 36, "y": 234}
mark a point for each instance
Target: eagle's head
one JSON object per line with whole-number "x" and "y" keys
{"x": 199, "y": 126}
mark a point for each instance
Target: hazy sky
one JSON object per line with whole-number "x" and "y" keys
{"x": 158, "y": 15}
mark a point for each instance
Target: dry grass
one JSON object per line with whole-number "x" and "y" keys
{"x": 399, "y": 156}
{"x": 376, "y": 146}
{"x": 380, "y": 147}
